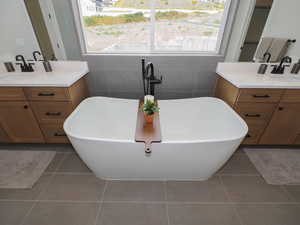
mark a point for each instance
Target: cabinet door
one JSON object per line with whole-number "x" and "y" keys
{"x": 284, "y": 126}
{"x": 3, "y": 135}
{"x": 19, "y": 123}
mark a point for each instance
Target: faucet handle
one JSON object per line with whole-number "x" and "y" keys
{"x": 275, "y": 68}
{"x": 156, "y": 81}
{"x": 30, "y": 68}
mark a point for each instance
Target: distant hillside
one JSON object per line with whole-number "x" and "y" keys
{"x": 163, "y": 4}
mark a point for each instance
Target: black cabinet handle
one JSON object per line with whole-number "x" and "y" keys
{"x": 253, "y": 115}
{"x": 261, "y": 96}
{"x": 25, "y": 106}
{"x": 248, "y": 136}
{"x": 46, "y": 94}
{"x": 53, "y": 113}
{"x": 59, "y": 135}
{"x": 280, "y": 108}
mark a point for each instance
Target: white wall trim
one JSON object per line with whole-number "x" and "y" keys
{"x": 53, "y": 29}
{"x": 227, "y": 27}
{"x": 244, "y": 29}
{"x": 79, "y": 25}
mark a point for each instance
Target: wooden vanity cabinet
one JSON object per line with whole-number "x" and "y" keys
{"x": 284, "y": 126}
{"x": 272, "y": 115}
{"x": 36, "y": 114}
{"x": 19, "y": 123}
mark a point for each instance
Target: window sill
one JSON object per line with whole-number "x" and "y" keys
{"x": 153, "y": 54}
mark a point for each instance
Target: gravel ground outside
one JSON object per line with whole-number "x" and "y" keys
{"x": 189, "y": 34}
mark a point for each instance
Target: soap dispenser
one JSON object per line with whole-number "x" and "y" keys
{"x": 296, "y": 68}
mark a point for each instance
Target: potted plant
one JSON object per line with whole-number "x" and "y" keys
{"x": 150, "y": 108}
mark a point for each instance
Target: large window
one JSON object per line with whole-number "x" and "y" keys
{"x": 153, "y": 26}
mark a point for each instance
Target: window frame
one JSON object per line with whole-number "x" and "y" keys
{"x": 222, "y": 40}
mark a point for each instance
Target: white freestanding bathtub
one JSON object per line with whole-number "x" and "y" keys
{"x": 198, "y": 136}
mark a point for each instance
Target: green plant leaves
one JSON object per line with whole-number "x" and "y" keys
{"x": 150, "y": 107}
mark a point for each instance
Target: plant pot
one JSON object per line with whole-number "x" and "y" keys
{"x": 149, "y": 118}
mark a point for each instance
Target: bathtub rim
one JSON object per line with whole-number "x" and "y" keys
{"x": 211, "y": 140}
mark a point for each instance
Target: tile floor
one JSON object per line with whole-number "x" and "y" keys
{"x": 69, "y": 194}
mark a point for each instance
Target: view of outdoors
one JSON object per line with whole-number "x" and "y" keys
{"x": 152, "y": 25}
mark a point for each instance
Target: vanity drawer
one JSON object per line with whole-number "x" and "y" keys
{"x": 260, "y": 95}
{"x": 47, "y": 94}
{"x": 54, "y": 133}
{"x": 291, "y": 96}
{"x": 254, "y": 134}
{"x": 258, "y": 113}
{"x": 11, "y": 94}
{"x": 52, "y": 112}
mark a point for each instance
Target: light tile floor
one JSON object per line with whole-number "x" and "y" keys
{"x": 69, "y": 194}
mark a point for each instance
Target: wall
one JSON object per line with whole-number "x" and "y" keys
{"x": 283, "y": 22}
{"x": 183, "y": 76}
{"x": 17, "y": 35}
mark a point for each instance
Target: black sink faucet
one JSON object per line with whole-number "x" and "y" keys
{"x": 35, "y": 53}
{"x": 25, "y": 67}
{"x": 149, "y": 79}
{"x": 269, "y": 57}
{"x": 280, "y": 68}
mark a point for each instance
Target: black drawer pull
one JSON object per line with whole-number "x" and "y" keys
{"x": 53, "y": 113}
{"x": 261, "y": 96}
{"x": 280, "y": 108}
{"x": 253, "y": 115}
{"x": 46, "y": 94}
{"x": 248, "y": 136}
{"x": 59, "y": 135}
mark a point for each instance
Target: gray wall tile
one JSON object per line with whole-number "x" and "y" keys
{"x": 183, "y": 76}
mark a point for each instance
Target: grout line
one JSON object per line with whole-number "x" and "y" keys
{"x": 230, "y": 200}
{"x": 290, "y": 196}
{"x": 165, "y": 191}
{"x": 35, "y": 200}
{"x": 61, "y": 162}
{"x": 73, "y": 174}
{"x": 237, "y": 214}
{"x": 104, "y": 190}
{"x": 234, "y": 203}
{"x": 225, "y": 189}
{"x": 52, "y": 175}
{"x": 238, "y": 175}
{"x": 28, "y": 213}
{"x": 98, "y": 213}
{"x": 155, "y": 202}
{"x": 166, "y": 201}
{"x": 101, "y": 202}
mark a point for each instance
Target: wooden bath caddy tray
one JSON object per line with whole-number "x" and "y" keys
{"x": 147, "y": 132}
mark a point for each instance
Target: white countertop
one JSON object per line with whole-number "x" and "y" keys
{"x": 244, "y": 75}
{"x": 64, "y": 74}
